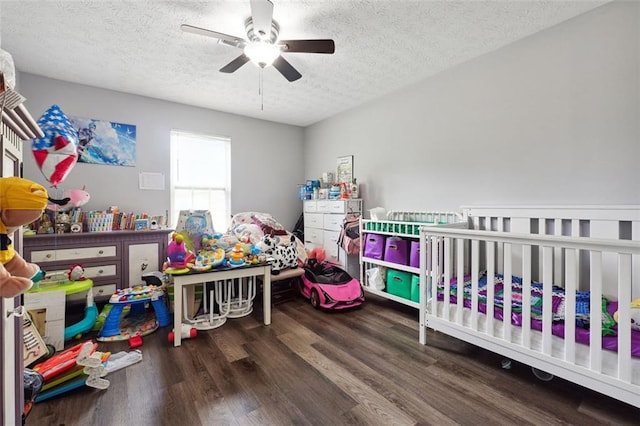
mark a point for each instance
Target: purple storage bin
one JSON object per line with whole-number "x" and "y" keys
{"x": 374, "y": 246}
{"x": 414, "y": 254}
{"x": 396, "y": 250}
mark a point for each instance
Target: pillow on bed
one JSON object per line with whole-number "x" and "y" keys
{"x": 268, "y": 224}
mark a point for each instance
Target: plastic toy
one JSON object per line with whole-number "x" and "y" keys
{"x": 137, "y": 323}
{"x": 21, "y": 202}
{"x": 60, "y": 282}
{"x": 327, "y": 286}
{"x": 135, "y": 341}
{"x": 186, "y": 331}
{"x": 236, "y": 256}
{"x": 56, "y": 152}
{"x": 179, "y": 256}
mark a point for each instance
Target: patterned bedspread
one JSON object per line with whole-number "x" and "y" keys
{"x": 609, "y": 327}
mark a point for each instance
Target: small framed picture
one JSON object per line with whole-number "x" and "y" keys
{"x": 141, "y": 224}
{"x": 344, "y": 171}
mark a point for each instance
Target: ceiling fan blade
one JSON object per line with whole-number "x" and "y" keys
{"x": 222, "y": 38}
{"x": 235, "y": 64}
{"x": 286, "y": 69}
{"x": 262, "y": 14}
{"x": 308, "y": 46}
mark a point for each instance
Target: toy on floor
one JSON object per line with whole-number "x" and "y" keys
{"x": 70, "y": 287}
{"x": 137, "y": 322}
{"x": 21, "y": 202}
{"x": 186, "y": 331}
{"x": 73, "y": 368}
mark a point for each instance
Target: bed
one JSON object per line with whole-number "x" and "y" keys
{"x": 555, "y": 272}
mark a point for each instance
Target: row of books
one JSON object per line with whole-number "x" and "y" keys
{"x": 97, "y": 221}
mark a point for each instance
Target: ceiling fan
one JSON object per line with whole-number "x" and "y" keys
{"x": 262, "y": 46}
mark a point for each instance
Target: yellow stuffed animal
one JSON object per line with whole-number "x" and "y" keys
{"x": 635, "y": 314}
{"x": 21, "y": 202}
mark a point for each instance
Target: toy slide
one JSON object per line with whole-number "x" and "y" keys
{"x": 75, "y": 383}
{"x": 77, "y": 366}
{"x": 86, "y": 324}
{"x": 65, "y": 360}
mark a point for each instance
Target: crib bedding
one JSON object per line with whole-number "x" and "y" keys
{"x": 609, "y": 328}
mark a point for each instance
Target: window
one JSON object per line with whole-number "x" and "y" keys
{"x": 201, "y": 176}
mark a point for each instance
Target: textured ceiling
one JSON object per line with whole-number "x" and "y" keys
{"x": 137, "y": 47}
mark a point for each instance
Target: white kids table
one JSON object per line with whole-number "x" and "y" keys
{"x": 181, "y": 282}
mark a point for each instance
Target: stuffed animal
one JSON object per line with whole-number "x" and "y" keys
{"x": 21, "y": 202}
{"x": 284, "y": 256}
{"x": 635, "y": 315}
{"x": 72, "y": 198}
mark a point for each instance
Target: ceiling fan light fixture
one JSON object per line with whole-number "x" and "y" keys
{"x": 262, "y": 53}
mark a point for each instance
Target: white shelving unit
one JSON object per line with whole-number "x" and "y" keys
{"x": 389, "y": 229}
{"x": 406, "y": 230}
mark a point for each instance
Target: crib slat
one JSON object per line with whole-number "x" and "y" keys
{"x": 448, "y": 247}
{"x": 557, "y": 254}
{"x": 491, "y": 282}
{"x": 595, "y": 277}
{"x": 571, "y": 285}
{"x": 624, "y": 317}
{"x": 526, "y": 296}
{"x": 460, "y": 280}
{"x": 547, "y": 306}
{"x": 508, "y": 279}
{"x": 475, "y": 255}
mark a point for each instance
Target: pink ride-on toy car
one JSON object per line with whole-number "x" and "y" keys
{"x": 327, "y": 286}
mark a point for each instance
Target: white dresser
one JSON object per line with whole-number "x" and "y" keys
{"x": 322, "y": 224}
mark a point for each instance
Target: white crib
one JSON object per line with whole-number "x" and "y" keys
{"x": 586, "y": 249}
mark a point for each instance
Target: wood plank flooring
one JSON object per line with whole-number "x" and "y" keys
{"x": 362, "y": 367}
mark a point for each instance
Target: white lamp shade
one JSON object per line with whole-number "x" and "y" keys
{"x": 262, "y": 53}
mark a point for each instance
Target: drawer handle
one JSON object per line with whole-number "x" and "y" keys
{"x": 48, "y": 256}
{"x": 101, "y": 271}
{"x": 100, "y": 251}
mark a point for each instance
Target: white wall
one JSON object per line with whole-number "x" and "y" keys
{"x": 551, "y": 119}
{"x": 266, "y": 157}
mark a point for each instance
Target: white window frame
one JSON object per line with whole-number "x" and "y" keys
{"x": 221, "y": 217}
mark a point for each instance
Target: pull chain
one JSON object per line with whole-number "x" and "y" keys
{"x": 261, "y": 90}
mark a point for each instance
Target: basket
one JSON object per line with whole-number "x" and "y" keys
{"x": 100, "y": 222}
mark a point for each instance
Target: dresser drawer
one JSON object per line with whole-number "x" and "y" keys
{"x": 72, "y": 254}
{"x": 338, "y": 206}
{"x": 333, "y": 222}
{"x": 310, "y": 206}
{"x": 92, "y": 272}
{"x": 313, "y": 220}
{"x": 330, "y": 241}
{"x": 313, "y": 236}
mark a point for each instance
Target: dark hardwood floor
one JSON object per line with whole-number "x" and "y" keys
{"x": 363, "y": 367}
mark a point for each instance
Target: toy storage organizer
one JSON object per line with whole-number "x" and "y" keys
{"x": 390, "y": 253}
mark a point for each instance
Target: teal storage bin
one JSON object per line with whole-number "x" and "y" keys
{"x": 415, "y": 288}
{"x": 399, "y": 283}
